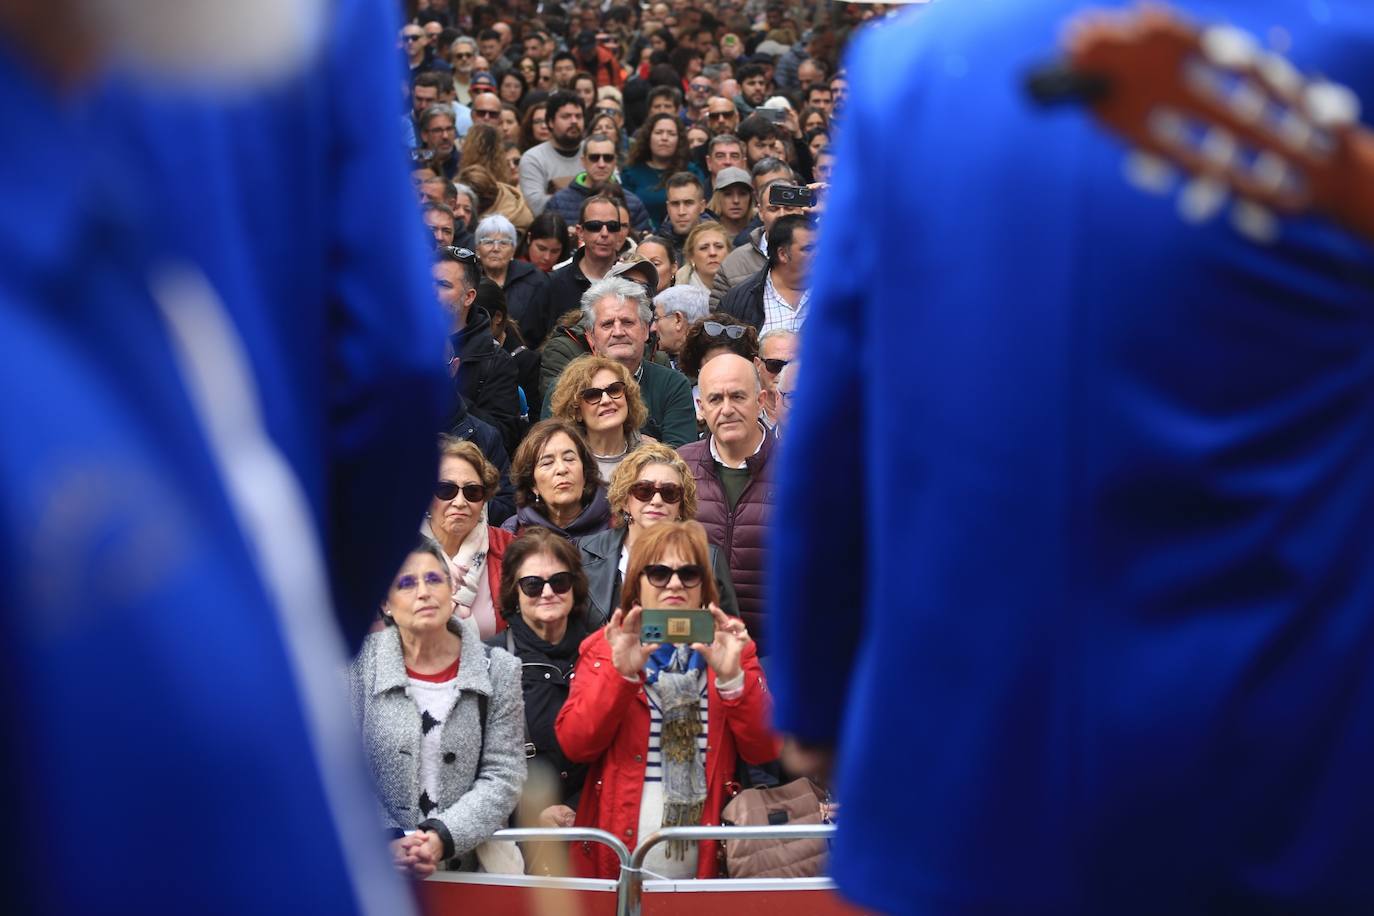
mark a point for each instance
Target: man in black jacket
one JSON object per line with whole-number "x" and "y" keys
{"x": 484, "y": 374}
{"x": 777, "y": 296}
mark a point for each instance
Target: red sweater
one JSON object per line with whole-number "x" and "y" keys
{"x": 605, "y": 722}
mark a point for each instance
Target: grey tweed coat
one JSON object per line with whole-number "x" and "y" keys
{"x": 474, "y": 800}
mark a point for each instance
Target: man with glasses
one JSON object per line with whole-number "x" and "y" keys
{"x": 782, "y": 396}
{"x": 602, "y": 234}
{"x": 486, "y": 108}
{"x": 552, "y": 165}
{"x": 721, "y": 115}
{"x": 598, "y": 175}
{"x": 440, "y": 137}
{"x": 484, "y": 374}
{"x": 464, "y": 52}
{"x": 777, "y": 349}
{"x": 699, "y": 91}
{"x": 732, "y": 468}
{"x": 432, "y": 87}
{"x": 419, "y": 57}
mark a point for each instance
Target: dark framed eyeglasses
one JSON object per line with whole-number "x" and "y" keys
{"x": 408, "y": 583}
{"x": 465, "y": 255}
{"x": 659, "y": 575}
{"x": 774, "y": 366}
{"x": 615, "y": 390}
{"x": 472, "y": 492}
{"x": 533, "y": 586}
{"x": 601, "y": 157}
{"x": 644, "y": 490}
{"x": 732, "y": 331}
{"x": 596, "y": 225}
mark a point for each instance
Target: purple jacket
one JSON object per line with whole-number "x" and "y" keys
{"x": 740, "y": 534}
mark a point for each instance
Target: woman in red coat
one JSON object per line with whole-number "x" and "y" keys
{"x": 662, "y": 725}
{"x": 458, "y": 522}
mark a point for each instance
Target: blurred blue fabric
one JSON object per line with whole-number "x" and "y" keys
{"x": 158, "y": 746}
{"x": 1111, "y": 646}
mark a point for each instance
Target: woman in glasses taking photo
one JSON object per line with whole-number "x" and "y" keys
{"x": 652, "y": 486}
{"x": 601, "y": 398}
{"x": 457, "y": 521}
{"x": 544, "y": 600}
{"x": 662, "y": 725}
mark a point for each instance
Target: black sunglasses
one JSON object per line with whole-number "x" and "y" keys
{"x": 616, "y": 390}
{"x": 487, "y": 114}
{"x": 414, "y": 37}
{"x": 659, "y": 575}
{"x": 775, "y": 365}
{"x": 732, "y": 331}
{"x": 533, "y": 586}
{"x": 466, "y": 255}
{"x": 601, "y": 157}
{"x": 644, "y": 490}
{"x": 596, "y": 225}
{"x": 613, "y": 112}
{"x": 472, "y": 492}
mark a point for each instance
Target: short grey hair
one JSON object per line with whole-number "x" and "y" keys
{"x": 779, "y": 333}
{"x": 495, "y": 226}
{"x": 464, "y": 40}
{"x": 470, "y": 194}
{"x": 691, "y": 302}
{"x": 615, "y": 288}
{"x": 434, "y": 111}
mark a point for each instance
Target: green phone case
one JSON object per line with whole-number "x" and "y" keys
{"x": 684, "y": 626}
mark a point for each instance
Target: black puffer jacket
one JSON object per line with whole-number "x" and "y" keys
{"x": 487, "y": 378}
{"x": 745, "y": 301}
{"x": 527, "y": 300}
{"x": 546, "y": 680}
{"x": 465, "y": 426}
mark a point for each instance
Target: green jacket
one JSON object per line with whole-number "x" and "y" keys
{"x": 666, "y": 392}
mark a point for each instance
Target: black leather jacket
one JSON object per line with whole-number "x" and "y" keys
{"x": 601, "y": 562}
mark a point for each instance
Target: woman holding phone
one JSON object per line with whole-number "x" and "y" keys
{"x": 662, "y": 725}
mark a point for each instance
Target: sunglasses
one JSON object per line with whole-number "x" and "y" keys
{"x": 613, "y": 112}
{"x": 713, "y": 115}
{"x": 732, "y": 331}
{"x": 472, "y": 492}
{"x": 465, "y": 255}
{"x": 533, "y": 586}
{"x": 414, "y": 37}
{"x": 596, "y": 225}
{"x": 659, "y": 575}
{"x": 644, "y": 490}
{"x": 463, "y": 55}
{"x": 616, "y": 391}
{"x": 409, "y": 583}
{"x": 774, "y": 366}
{"x": 486, "y": 115}
{"x": 601, "y": 157}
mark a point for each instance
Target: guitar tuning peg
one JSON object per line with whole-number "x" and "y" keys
{"x": 1247, "y": 102}
{"x": 1280, "y": 73}
{"x": 1255, "y": 222}
{"x": 1168, "y": 127}
{"x": 1219, "y": 147}
{"x": 1272, "y": 172}
{"x": 1149, "y": 173}
{"x": 1201, "y": 199}
{"x": 1229, "y": 47}
{"x": 1331, "y": 104}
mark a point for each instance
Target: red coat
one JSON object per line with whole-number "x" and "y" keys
{"x": 497, "y": 542}
{"x": 605, "y": 722}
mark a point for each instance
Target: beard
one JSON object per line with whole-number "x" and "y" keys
{"x": 214, "y": 42}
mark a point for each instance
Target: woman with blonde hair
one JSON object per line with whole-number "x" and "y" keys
{"x": 652, "y": 485}
{"x": 702, "y": 253}
{"x": 457, "y": 521}
{"x": 601, "y": 398}
{"x": 663, "y": 725}
{"x": 486, "y": 170}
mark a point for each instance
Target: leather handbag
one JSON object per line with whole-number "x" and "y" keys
{"x": 797, "y": 802}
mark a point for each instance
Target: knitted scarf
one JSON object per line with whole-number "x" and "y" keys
{"x": 467, "y": 565}
{"x": 673, "y": 677}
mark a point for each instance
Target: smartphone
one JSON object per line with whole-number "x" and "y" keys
{"x": 776, "y": 115}
{"x": 677, "y": 626}
{"x": 782, "y": 195}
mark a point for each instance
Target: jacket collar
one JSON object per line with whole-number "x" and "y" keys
{"x": 604, "y": 545}
{"x": 472, "y": 660}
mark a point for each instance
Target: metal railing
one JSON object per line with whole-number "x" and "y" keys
{"x": 632, "y": 875}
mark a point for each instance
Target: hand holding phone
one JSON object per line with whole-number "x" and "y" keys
{"x": 784, "y": 195}
{"x": 677, "y": 625}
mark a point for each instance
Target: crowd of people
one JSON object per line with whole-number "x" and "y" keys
{"x": 623, "y": 203}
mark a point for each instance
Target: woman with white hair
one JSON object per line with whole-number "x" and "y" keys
{"x": 676, "y": 309}
{"x": 526, "y": 286}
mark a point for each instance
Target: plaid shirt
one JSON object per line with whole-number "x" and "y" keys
{"x": 777, "y": 313}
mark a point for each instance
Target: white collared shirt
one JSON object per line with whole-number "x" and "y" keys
{"x": 715, "y": 455}
{"x": 777, "y": 313}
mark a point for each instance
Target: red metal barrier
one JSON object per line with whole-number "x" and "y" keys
{"x": 511, "y": 895}
{"x": 744, "y": 898}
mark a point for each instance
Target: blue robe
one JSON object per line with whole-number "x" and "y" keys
{"x": 1101, "y": 635}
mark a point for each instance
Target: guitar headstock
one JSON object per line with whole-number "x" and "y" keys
{"x": 1211, "y": 102}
